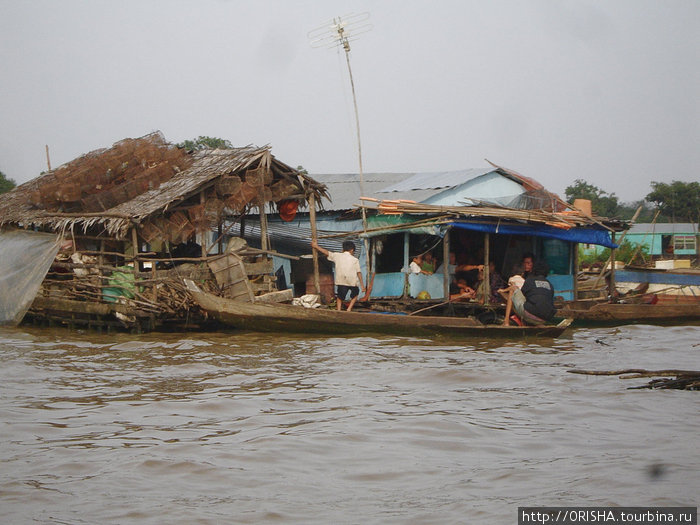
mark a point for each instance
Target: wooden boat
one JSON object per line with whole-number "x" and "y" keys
{"x": 669, "y": 285}
{"x": 289, "y": 318}
{"x": 584, "y": 312}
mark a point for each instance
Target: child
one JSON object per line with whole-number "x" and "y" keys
{"x": 416, "y": 265}
{"x": 347, "y": 273}
{"x": 428, "y": 263}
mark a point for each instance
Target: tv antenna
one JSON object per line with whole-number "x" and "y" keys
{"x": 339, "y": 32}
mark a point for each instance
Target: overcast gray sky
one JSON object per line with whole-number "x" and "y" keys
{"x": 605, "y": 91}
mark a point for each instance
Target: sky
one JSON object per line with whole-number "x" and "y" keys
{"x": 558, "y": 90}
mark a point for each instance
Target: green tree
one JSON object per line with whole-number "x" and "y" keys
{"x": 602, "y": 203}
{"x": 679, "y": 201}
{"x": 627, "y": 252}
{"x": 204, "y": 142}
{"x": 626, "y": 211}
{"x": 5, "y": 183}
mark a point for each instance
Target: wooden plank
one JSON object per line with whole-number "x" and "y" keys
{"x": 259, "y": 267}
{"x": 231, "y": 275}
{"x": 279, "y": 296}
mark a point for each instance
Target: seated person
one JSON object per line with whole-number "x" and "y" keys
{"x": 461, "y": 291}
{"x": 416, "y": 265}
{"x": 526, "y": 263}
{"x": 451, "y": 265}
{"x": 534, "y": 302}
{"x": 495, "y": 283}
{"x": 470, "y": 272}
{"x": 428, "y": 264}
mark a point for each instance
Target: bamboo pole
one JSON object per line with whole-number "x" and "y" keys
{"x": 611, "y": 259}
{"x": 314, "y": 238}
{"x": 406, "y": 262}
{"x": 575, "y": 272}
{"x": 639, "y": 246}
{"x": 263, "y": 224}
{"x": 135, "y": 242}
{"x": 446, "y": 263}
{"x": 487, "y": 277}
{"x": 202, "y": 202}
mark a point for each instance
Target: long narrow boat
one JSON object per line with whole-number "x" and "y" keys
{"x": 289, "y": 318}
{"x": 628, "y": 313}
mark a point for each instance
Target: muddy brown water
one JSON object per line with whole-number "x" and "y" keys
{"x": 249, "y": 428}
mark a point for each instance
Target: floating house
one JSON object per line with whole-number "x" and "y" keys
{"x": 665, "y": 240}
{"x": 106, "y": 239}
{"x": 474, "y": 216}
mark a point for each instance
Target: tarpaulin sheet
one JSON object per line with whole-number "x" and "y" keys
{"x": 25, "y": 258}
{"x": 582, "y": 235}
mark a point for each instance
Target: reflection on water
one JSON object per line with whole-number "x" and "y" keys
{"x": 249, "y": 428}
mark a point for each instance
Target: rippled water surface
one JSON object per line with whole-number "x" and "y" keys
{"x": 249, "y": 428}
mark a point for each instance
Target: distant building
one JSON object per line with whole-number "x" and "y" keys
{"x": 665, "y": 240}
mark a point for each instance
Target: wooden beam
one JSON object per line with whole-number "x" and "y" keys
{"x": 486, "y": 274}
{"x": 263, "y": 223}
{"x": 202, "y": 202}
{"x": 314, "y": 238}
{"x": 446, "y": 263}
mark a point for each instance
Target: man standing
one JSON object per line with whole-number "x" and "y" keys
{"x": 347, "y": 272}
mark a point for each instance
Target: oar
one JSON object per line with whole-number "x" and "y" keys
{"x": 431, "y": 307}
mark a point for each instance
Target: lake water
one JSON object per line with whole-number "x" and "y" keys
{"x": 249, "y": 428}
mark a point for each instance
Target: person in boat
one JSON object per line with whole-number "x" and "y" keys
{"x": 462, "y": 291}
{"x": 534, "y": 302}
{"x": 496, "y": 283}
{"x": 428, "y": 264}
{"x": 527, "y": 263}
{"x": 347, "y": 273}
{"x": 416, "y": 265}
{"x": 451, "y": 265}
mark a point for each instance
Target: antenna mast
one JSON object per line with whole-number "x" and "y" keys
{"x": 340, "y": 32}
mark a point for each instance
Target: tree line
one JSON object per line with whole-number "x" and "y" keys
{"x": 675, "y": 202}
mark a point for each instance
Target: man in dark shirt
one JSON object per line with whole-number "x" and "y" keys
{"x": 534, "y": 302}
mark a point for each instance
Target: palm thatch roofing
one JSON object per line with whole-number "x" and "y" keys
{"x": 137, "y": 179}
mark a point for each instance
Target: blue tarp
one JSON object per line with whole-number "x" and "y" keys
{"x": 582, "y": 235}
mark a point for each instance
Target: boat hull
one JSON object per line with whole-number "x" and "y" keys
{"x": 288, "y": 318}
{"x": 628, "y": 313}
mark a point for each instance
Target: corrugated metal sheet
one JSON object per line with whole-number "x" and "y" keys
{"x": 489, "y": 187}
{"x": 680, "y": 228}
{"x": 438, "y": 180}
{"x": 344, "y": 188}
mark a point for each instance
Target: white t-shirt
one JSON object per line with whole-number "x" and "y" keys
{"x": 516, "y": 280}
{"x": 415, "y": 267}
{"x": 347, "y": 267}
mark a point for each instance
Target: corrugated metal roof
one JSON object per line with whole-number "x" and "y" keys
{"x": 344, "y": 188}
{"x": 438, "y": 180}
{"x": 684, "y": 228}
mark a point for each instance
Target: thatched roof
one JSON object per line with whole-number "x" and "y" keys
{"x": 137, "y": 179}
